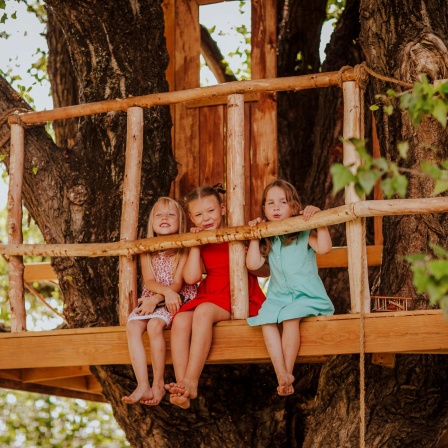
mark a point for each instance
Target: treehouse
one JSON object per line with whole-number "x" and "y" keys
{"x": 221, "y": 132}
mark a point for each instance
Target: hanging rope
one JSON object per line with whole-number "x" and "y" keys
{"x": 362, "y": 382}
{"x": 361, "y": 73}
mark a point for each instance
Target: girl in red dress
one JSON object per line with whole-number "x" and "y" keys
{"x": 191, "y": 334}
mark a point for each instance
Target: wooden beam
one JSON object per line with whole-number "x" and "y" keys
{"x": 356, "y": 229}
{"x": 15, "y": 236}
{"x": 304, "y": 82}
{"x": 324, "y": 218}
{"x": 53, "y": 373}
{"x": 235, "y": 205}
{"x": 219, "y": 100}
{"x": 49, "y": 390}
{"x": 127, "y": 284}
{"x": 234, "y": 341}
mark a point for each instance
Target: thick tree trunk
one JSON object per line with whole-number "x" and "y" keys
{"x": 406, "y": 406}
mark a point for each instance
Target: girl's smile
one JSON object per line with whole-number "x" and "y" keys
{"x": 206, "y": 212}
{"x": 166, "y": 219}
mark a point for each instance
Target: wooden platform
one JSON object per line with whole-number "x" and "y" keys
{"x": 56, "y": 362}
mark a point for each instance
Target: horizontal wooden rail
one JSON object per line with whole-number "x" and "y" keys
{"x": 234, "y": 341}
{"x": 337, "y": 258}
{"x": 160, "y": 99}
{"x": 324, "y": 218}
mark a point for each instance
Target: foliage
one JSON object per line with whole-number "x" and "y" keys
{"x": 334, "y": 9}
{"x": 425, "y": 99}
{"x": 431, "y": 275}
{"x": 33, "y": 420}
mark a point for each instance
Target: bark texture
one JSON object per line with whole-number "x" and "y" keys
{"x": 118, "y": 51}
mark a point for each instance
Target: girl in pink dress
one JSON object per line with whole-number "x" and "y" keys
{"x": 191, "y": 334}
{"x": 163, "y": 293}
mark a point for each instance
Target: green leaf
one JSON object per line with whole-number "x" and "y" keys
{"x": 439, "y": 251}
{"x": 341, "y": 176}
{"x": 35, "y": 170}
{"x": 69, "y": 278}
{"x": 3, "y": 18}
{"x": 440, "y": 111}
{"x": 401, "y": 185}
{"x": 14, "y": 15}
{"x": 388, "y": 189}
{"x": 389, "y": 109}
{"x": 374, "y": 107}
{"x": 440, "y": 186}
{"x": 3, "y": 156}
{"x": 367, "y": 179}
{"x": 438, "y": 268}
{"x": 391, "y": 93}
{"x": 403, "y": 148}
{"x": 2, "y": 4}
{"x": 432, "y": 170}
{"x": 380, "y": 163}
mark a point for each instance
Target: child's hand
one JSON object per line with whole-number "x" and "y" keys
{"x": 309, "y": 211}
{"x": 172, "y": 301}
{"x": 196, "y": 229}
{"x": 147, "y": 305}
{"x": 255, "y": 221}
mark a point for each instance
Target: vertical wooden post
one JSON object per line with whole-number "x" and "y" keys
{"x": 129, "y": 214}
{"x": 235, "y": 197}
{"x": 377, "y": 191}
{"x": 15, "y": 236}
{"x": 356, "y": 238}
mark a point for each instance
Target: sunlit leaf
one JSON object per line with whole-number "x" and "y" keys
{"x": 341, "y": 176}
{"x": 403, "y": 148}
{"x": 440, "y": 111}
{"x": 367, "y": 179}
{"x": 440, "y": 186}
{"x": 438, "y": 268}
{"x": 374, "y": 107}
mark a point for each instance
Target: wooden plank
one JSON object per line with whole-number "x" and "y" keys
{"x": 338, "y": 257}
{"x": 48, "y": 390}
{"x": 234, "y": 341}
{"x": 186, "y": 75}
{"x": 377, "y": 191}
{"x": 78, "y": 383}
{"x": 264, "y": 158}
{"x": 53, "y": 373}
{"x": 219, "y": 100}
{"x": 211, "y": 161}
{"x": 39, "y": 272}
{"x": 384, "y": 359}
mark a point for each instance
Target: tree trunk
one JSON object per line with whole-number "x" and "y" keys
{"x": 406, "y": 406}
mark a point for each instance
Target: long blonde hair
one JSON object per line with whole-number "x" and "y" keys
{"x": 165, "y": 200}
{"x": 292, "y": 197}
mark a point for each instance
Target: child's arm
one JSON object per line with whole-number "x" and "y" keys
{"x": 147, "y": 305}
{"x": 320, "y": 241}
{"x": 192, "y": 270}
{"x": 172, "y": 298}
{"x": 254, "y": 259}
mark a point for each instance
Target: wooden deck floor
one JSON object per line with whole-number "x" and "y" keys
{"x": 56, "y": 362}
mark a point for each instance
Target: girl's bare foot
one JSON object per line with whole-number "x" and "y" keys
{"x": 184, "y": 386}
{"x": 285, "y": 386}
{"x": 140, "y": 393}
{"x": 158, "y": 393}
{"x": 181, "y": 400}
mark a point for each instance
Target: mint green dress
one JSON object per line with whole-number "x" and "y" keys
{"x": 295, "y": 288}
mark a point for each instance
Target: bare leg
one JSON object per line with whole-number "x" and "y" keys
{"x": 134, "y": 332}
{"x": 158, "y": 354}
{"x": 180, "y": 344}
{"x": 291, "y": 342}
{"x": 273, "y": 341}
{"x": 204, "y": 316}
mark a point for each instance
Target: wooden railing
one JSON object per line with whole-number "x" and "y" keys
{"x": 353, "y": 213}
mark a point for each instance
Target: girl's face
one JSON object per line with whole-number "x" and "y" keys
{"x": 276, "y": 206}
{"x": 166, "y": 219}
{"x": 206, "y": 212}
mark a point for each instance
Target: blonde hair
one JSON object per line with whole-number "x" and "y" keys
{"x": 293, "y": 200}
{"x": 165, "y": 201}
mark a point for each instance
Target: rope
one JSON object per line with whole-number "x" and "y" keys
{"x": 4, "y": 118}
{"x": 362, "y": 72}
{"x": 362, "y": 382}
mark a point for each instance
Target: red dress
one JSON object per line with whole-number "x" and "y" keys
{"x": 215, "y": 288}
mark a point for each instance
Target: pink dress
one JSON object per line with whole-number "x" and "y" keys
{"x": 163, "y": 265}
{"x": 215, "y": 288}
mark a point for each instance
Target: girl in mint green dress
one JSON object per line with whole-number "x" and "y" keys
{"x": 295, "y": 289}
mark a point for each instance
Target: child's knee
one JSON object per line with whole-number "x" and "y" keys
{"x": 155, "y": 326}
